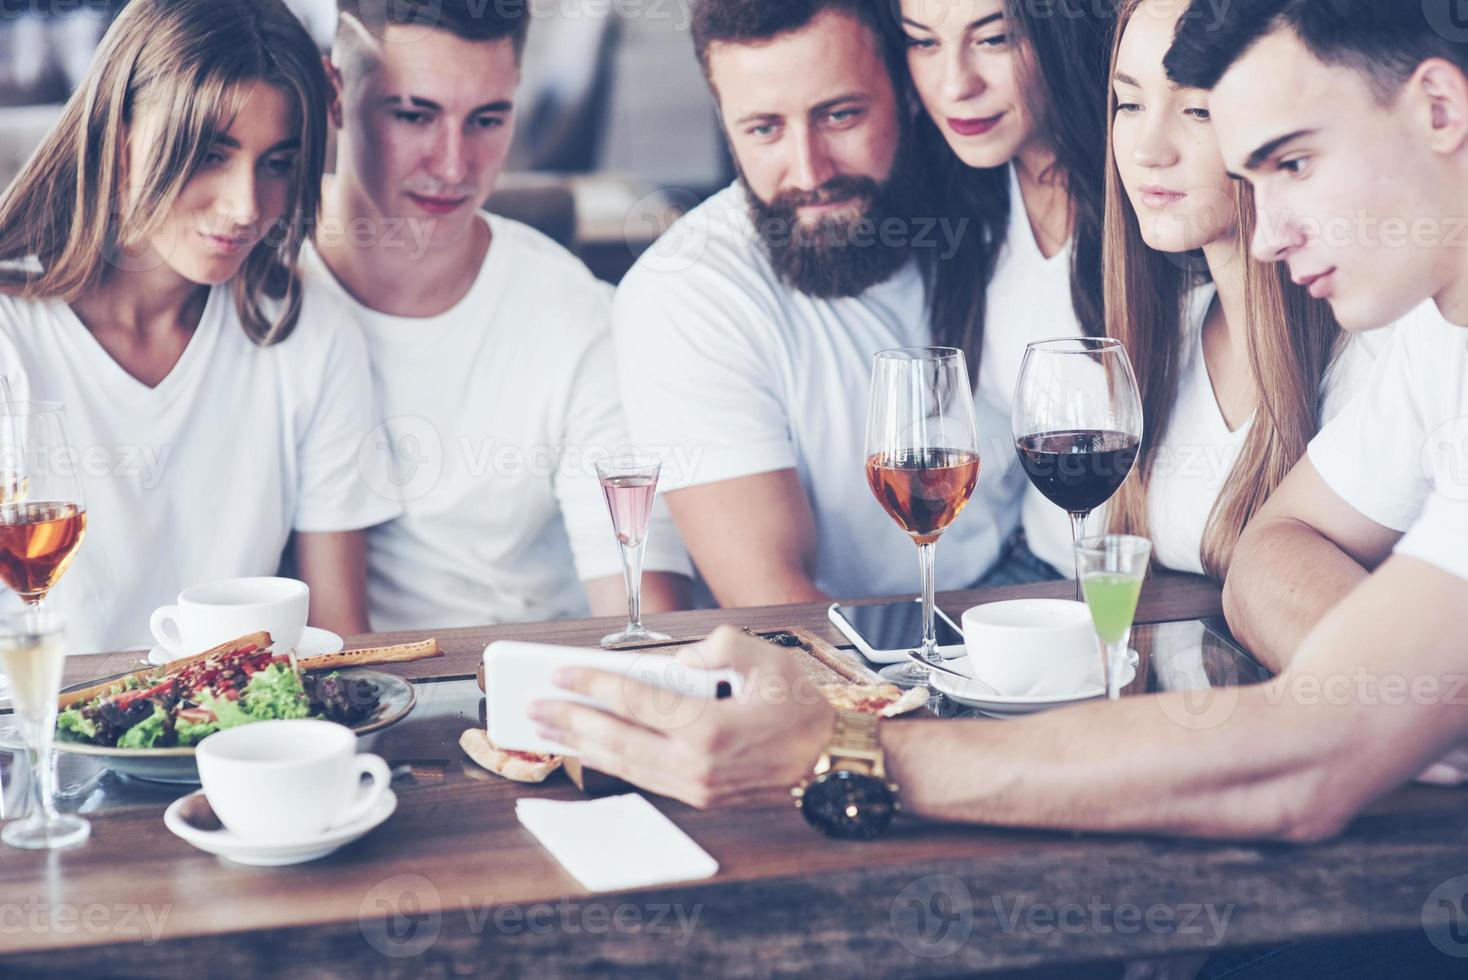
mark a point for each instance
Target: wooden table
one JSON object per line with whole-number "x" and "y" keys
{"x": 452, "y": 885}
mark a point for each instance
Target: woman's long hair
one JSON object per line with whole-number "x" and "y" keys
{"x": 188, "y": 62}
{"x": 1292, "y": 340}
{"x": 1065, "y": 88}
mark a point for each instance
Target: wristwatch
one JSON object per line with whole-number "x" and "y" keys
{"x": 848, "y": 795}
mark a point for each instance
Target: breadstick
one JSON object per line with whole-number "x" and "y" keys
{"x": 400, "y": 654}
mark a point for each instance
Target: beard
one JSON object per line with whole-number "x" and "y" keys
{"x": 842, "y": 255}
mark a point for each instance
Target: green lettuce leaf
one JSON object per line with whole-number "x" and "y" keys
{"x": 190, "y": 733}
{"x": 227, "y": 713}
{"x": 72, "y": 726}
{"x": 146, "y": 733}
{"x": 275, "y": 692}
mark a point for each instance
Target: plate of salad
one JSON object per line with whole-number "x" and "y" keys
{"x": 147, "y": 724}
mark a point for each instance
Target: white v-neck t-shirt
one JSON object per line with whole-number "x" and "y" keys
{"x": 735, "y": 374}
{"x": 206, "y": 475}
{"x": 497, "y": 411}
{"x": 1198, "y": 451}
{"x": 1029, "y": 299}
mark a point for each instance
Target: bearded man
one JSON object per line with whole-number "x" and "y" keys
{"x": 745, "y": 335}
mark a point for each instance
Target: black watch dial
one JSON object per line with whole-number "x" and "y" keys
{"x": 848, "y": 805}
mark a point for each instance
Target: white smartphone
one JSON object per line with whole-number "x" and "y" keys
{"x": 518, "y": 674}
{"x": 883, "y": 632}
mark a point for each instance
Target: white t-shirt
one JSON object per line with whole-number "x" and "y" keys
{"x": 1198, "y": 451}
{"x": 1029, "y": 299}
{"x": 497, "y": 411}
{"x": 206, "y": 475}
{"x": 737, "y": 374}
{"x": 1398, "y": 453}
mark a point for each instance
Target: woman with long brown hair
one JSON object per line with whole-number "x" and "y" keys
{"x": 148, "y": 282}
{"x": 1011, "y": 134}
{"x": 1237, "y": 365}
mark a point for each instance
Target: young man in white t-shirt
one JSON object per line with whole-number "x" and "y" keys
{"x": 1370, "y": 696}
{"x": 745, "y": 336}
{"x": 490, "y": 344}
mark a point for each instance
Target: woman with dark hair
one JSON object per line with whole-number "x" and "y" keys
{"x": 1013, "y": 134}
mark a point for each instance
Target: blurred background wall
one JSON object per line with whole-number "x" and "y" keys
{"x": 617, "y": 132}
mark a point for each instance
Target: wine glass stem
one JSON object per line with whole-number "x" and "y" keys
{"x": 1077, "y": 531}
{"x": 632, "y": 570}
{"x": 1116, "y": 655}
{"x": 43, "y": 772}
{"x": 925, "y": 569}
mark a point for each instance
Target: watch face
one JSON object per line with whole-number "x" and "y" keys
{"x": 848, "y": 805}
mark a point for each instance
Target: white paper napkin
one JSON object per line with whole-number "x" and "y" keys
{"x": 616, "y": 842}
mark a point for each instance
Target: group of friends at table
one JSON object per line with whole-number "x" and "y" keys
{"x": 401, "y": 396}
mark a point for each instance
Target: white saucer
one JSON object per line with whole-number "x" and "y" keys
{"x": 975, "y": 694}
{"x": 314, "y": 643}
{"x": 265, "y": 854}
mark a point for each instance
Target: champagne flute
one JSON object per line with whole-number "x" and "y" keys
{"x": 1077, "y": 421}
{"x": 43, "y": 514}
{"x": 1111, "y": 568}
{"x": 32, "y": 653}
{"x": 922, "y": 449}
{"x": 629, "y": 482}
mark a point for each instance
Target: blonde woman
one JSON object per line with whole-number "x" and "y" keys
{"x": 1238, "y": 366}
{"x": 148, "y": 282}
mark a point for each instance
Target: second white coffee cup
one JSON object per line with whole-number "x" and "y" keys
{"x": 1033, "y": 647}
{"x": 283, "y": 781}
{"x": 217, "y": 612}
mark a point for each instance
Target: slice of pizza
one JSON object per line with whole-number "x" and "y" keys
{"x": 522, "y": 767}
{"x": 887, "y": 700}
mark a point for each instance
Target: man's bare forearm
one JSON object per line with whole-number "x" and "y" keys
{"x": 1293, "y": 759}
{"x": 1134, "y": 765}
{"x": 661, "y": 592}
{"x": 1284, "y": 578}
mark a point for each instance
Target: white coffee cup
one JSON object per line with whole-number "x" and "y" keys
{"x": 1033, "y": 647}
{"x": 283, "y": 781}
{"x": 217, "y": 612}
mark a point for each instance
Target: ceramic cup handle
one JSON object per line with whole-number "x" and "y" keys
{"x": 367, "y": 796}
{"x": 169, "y": 639}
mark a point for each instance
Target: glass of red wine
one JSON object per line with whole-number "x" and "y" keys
{"x": 43, "y": 518}
{"x": 922, "y": 464}
{"x": 1077, "y": 420}
{"x": 629, "y": 482}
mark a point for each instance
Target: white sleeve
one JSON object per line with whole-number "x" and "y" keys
{"x": 595, "y": 426}
{"x": 1370, "y": 453}
{"x": 696, "y": 384}
{"x": 1440, "y": 535}
{"x": 334, "y": 494}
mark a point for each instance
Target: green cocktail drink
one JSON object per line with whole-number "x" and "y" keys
{"x": 1112, "y": 598}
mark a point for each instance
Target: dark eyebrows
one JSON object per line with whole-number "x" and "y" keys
{"x": 830, "y": 104}
{"x": 756, "y": 117}
{"x": 229, "y": 142}
{"x": 502, "y": 105}
{"x": 1126, "y": 79}
{"x": 816, "y": 109}
{"x": 981, "y": 22}
{"x": 1257, "y": 158}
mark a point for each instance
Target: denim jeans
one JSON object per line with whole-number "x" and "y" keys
{"x": 1018, "y": 566}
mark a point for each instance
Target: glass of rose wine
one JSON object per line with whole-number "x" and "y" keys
{"x": 1077, "y": 421}
{"x": 43, "y": 518}
{"x": 629, "y": 482}
{"x": 922, "y": 450}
